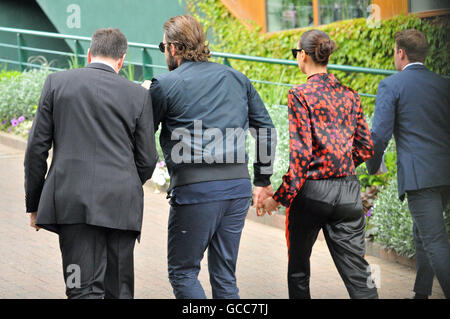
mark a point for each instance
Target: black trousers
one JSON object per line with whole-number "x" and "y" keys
{"x": 97, "y": 261}
{"x": 335, "y": 206}
{"x": 430, "y": 238}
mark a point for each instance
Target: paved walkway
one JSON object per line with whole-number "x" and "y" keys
{"x": 30, "y": 261}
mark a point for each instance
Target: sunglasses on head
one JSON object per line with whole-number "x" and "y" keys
{"x": 295, "y": 51}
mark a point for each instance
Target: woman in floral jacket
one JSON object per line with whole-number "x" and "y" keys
{"x": 329, "y": 138}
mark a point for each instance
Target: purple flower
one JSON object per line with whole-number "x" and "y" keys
{"x": 3, "y": 122}
{"x": 369, "y": 212}
{"x": 9, "y": 129}
{"x": 14, "y": 122}
{"x": 160, "y": 164}
{"x": 21, "y": 119}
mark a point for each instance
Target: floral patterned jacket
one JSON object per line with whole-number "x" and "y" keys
{"x": 328, "y": 134}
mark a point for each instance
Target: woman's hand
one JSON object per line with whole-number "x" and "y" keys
{"x": 268, "y": 206}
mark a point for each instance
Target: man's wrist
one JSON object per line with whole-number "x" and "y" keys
{"x": 260, "y": 181}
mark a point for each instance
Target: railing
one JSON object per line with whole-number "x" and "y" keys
{"x": 146, "y": 63}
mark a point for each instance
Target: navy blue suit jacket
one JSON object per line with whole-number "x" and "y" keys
{"x": 414, "y": 105}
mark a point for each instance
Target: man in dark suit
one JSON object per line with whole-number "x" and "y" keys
{"x": 414, "y": 105}
{"x": 101, "y": 128}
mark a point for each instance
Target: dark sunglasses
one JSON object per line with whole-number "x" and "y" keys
{"x": 295, "y": 51}
{"x": 162, "y": 47}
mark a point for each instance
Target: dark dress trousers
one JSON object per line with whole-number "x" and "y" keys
{"x": 101, "y": 128}
{"x": 414, "y": 105}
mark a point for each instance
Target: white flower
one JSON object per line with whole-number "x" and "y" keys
{"x": 159, "y": 176}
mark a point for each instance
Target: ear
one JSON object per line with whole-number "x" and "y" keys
{"x": 89, "y": 55}
{"x": 121, "y": 61}
{"x": 303, "y": 56}
{"x": 172, "y": 49}
{"x": 403, "y": 55}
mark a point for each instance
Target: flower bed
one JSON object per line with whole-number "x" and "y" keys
{"x": 20, "y": 94}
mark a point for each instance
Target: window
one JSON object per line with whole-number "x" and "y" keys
{"x": 290, "y": 14}
{"x": 335, "y": 10}
{"x": 420, "y": 5}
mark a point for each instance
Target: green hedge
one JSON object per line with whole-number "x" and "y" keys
{"x": 358, "y": 45}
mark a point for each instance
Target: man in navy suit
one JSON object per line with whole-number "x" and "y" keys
{"x": 414, "y": 105}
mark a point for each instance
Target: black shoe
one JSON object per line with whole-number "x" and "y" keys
{"x": 420, "y": 296}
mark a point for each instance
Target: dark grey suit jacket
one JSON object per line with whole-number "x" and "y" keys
{"x": 414, "y": 105}
{"x": 102, "y": 131}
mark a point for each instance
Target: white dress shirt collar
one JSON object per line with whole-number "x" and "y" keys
{"x": 103, "y": 62}
{"x": 414, "y": 63}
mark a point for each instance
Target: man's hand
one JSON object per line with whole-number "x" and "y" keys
{"x": 259, "y": 195}
{"x": 33, "y": 221}
{"x": 147, "y": 84}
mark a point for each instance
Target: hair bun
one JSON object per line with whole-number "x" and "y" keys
{"x": 324, "y": 50}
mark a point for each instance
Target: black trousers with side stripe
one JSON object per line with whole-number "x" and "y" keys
{"x": 335, "y": 206}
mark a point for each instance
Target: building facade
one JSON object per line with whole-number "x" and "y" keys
{"x": 277, "y": 15}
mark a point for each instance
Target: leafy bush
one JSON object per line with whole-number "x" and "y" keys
{"x": 392, "y": 222}
{"x": 20, "y": 94}
{"x": 358, "y": 44}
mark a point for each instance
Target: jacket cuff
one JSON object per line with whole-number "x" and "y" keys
{"x": 31, "y": 205}
{"x": 31, "y": 210}
{"x": 283, "y": 200}
{"x": 261, "y": 180}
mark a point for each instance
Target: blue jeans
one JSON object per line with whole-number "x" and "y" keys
{"x": 194, "y": 228}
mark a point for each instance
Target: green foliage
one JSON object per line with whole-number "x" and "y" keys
{"x": 7, "y": 75}
{"x": 129, "y": 72}
{"x": 74, "y": 62}
{"x": 358, "y": 45}
{"x": 390, "y": 160}
{"x": 41, "y": 60}
{"x": 20, "y": 93}
{"x": 392, "y": 222}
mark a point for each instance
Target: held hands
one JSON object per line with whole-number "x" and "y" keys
{"x": 261, "y": 195}
{"x": 33, "y": 221}
{"x": 269, "y": 205}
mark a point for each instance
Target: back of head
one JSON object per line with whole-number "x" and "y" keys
{"x": 318, "y": 45}
{"x": 109, "y": 43}
{"x": 186, "y": 33}
{"x": 414, "y": 43}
